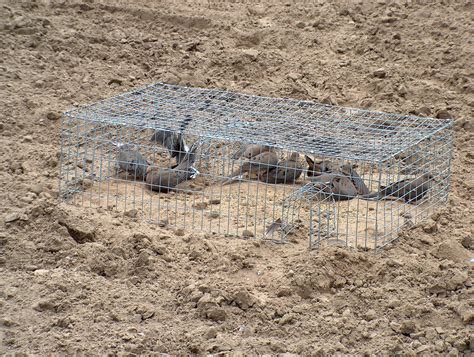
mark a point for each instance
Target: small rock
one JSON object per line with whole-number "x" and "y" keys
{"x": 200, "y": 205}
{"x": 87, "y": 183}
{"x": 179, "y": 232}
{"x": 380, "y": 73}
{"x": 216, "y": 314}
{"x": 284, "y": 291}
{"x": 39, "y": 272}
{"x": 12, "y": 217}
{"x": 215, "y": 201}
{"x": 430, "y": 226}
{"x": 370, "y": 315}
{"x": 210, "y": 333}
{"x": 243, "y": 299}
{"x": 467, "y": 317}
{"x": 425, "y": 111}
{"x": 286, "y": 319}
{"x": 214, "y": 214}
{"x": 247, "y": 234}
{"x": 132, "y": 213}
{"x": 407, "y": 327}
{"x": 44, "y": 305}
{"x": 36, "y": 188}
{"x": 80, "y": 231}
{"x": 27, "y": 138}
{"x": 115, "y": 81}
{"x": 443, "y": 114}
{"x": 467, "y": 242}
{"x": 300, "y": 25}
{"x": 53, "y": 116}
{"x": 163, "y": 223}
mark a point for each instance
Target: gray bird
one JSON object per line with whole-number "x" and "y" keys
{"x": 173, "y": 142}
{"x": 336, "y": 186}
{"x": 257, "y": 165}
{"x": 288, "y": 171}
{"x": 358, "y": 182}
{"x": 131, "y": 161}
{"x": 317, "y": 168}
{"x": 251, "y": 150}
{"x": 166, "y": 179}
{"x": 411, "y": 190}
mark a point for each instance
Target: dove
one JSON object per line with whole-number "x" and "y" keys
{"x": 251, "y": 150}
{"x": 174, "y": 143}
{"x": 411, "y": 190}
{"x": 287, "y": 171}
{"x": 255, "y": 166}
{"x": 130, "y": 160}
{"x": 350, "y": 172}
{"x": 166, "y": 179}
{"x": 335, "y": 186}
{"x": 317, "y": 168}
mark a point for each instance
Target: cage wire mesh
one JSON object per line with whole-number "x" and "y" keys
{"x": 252, "y": 166}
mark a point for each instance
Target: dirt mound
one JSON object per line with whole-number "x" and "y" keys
{"x": 95, "y": 281}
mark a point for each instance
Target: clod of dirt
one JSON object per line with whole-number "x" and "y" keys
{"x": 451, "y": 250}
{"x": 200, "y": 205}
{"x": 12, "y": 217}
{"x": 131, "y": 213}
{"x": 247, "y": 234}
{"x": 53, "y": 116}
{"x": 380, "y": 73}
{"x": 80, "y": 231}
{"x": 244, "y": 299}
{"x": 44, "y": 305}
{"x": 443, "y": 114}
{"x": 214, "y": 214}
{"x": 407, "y": 327}
{"x": 430, "y": 226}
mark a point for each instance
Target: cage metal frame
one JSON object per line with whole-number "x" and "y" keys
{"x": 288, "y": 125}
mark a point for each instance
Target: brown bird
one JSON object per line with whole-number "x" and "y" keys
{"x": 317, "y": 168}
{"x": 166, "y": 179}
{"x": 130, "y": 160}
{"x": 411, "y": 190}
{"x": 257, "y": 165}
{"x": 251, "y": 150}
{"x": 173, "y": 142}
{"x": 351, "y": 173}
{"x": 335, "y": 186}
{"x": 287, "y": 171}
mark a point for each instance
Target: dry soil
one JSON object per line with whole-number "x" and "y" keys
{"x": 94, "y": 281}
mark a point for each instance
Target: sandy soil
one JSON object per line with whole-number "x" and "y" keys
{"x": 94, "y": 281}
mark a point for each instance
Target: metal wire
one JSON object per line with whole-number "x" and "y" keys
{"x": 226, "y": 193}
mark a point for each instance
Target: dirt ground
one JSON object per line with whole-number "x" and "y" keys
{"x": 92, "y": 281}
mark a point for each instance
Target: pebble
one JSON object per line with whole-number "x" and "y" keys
{"x": 214, "y": 214}
{"x": 36, "y": 188}
{"x": 27, "y": 138}
{"x": 12, "y": 217}
{"x": 380, "y": 73}
{"x": 247, "y": 234}
{"x": 200, "y": 205}
{"x": 132, "y": 213}
{"x": 443, "y": 114}
{"x": 430, "y": 226}
{"x": 179, "y": 232}
{"x": 407, "y": 327}
{"x": 215, "y": 201}
{"x": 53, "y": 116}
{"x": 87, "y": 183}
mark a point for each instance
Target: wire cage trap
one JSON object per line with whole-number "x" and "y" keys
{"x": 252, "y": 166}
